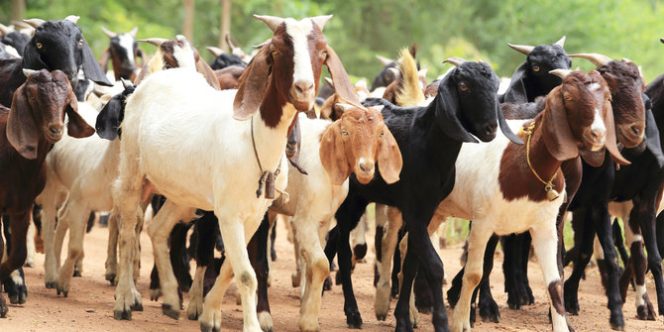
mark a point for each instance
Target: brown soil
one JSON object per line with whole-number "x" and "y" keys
{"x": 90, "y": 302}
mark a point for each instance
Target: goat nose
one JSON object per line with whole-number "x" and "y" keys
{"x": 596, "y": 134}
{"x": 55, "y": 129}
{"x": 366, "y": 166}
{"x": 490, "y": 128}
{"x": 303, "y": 87}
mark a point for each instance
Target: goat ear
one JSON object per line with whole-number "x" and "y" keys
{"x": 22, "y": 131}
{"x": 253, "y": 84}
{"x": 342, "y": 86}
{"x": 611, "y": 137}
{"x": 652, "y": 138}
{"x": 207, "y": 72}
{"x": 332, "y": 154}
{"x": 557, "y": 134}
{"x": 76, "y": 126}
{"x": 91, "y": 67}
{"x": 447, "y": 112}
{"x": 389, "y": 157}
{"x": 516, "y": 92}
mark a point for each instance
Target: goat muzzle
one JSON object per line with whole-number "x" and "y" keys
{"x": 303, "y": 95}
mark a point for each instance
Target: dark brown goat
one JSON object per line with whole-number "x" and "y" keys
{"x": 27, "y": 132}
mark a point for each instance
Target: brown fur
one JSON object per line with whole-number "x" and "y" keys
{"x": 360, "y": 133}
{"x": 39, "y": 105}
{"x": 229, "y": 77}
{"x": 561, "y": 130}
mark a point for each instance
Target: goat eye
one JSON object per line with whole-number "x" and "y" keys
{"x": 536, "y": 68}
{"x": 344, "y": 132}
{"x": 463, "y": 87}
{"x": 39, "y": 45}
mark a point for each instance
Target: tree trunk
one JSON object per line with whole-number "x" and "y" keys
{"x": 225, "y": 22}
{"x": 18, "y": 10}
{"x": 188, "y": 25}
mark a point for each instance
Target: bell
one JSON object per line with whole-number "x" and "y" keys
{"x": 270, "y": 186}
{"x": 551, "y": 194}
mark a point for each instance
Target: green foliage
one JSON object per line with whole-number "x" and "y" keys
{"x": 478, "y": 29}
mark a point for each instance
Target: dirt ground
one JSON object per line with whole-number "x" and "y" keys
{"x": 90, "y": 302}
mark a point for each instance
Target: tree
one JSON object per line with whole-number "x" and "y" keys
{"x": 18, "y": 9}
{"x": 225, "y": 28}
{"x": 188, "y": 24}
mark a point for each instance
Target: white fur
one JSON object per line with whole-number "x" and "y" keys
{"x": 599, "y": 127}
{"x": 298, "y": 31}
{"x": 82, "y": 170}
{"x": 185, "y": 54}
{"x": 126, "y": 40}
{"x": 477, "y": 196}
{"x": 180, "y": 134}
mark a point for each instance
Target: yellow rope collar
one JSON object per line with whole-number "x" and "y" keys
{"x": 551, "y": 193}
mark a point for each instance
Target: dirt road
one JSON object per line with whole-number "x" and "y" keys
{"x": 90, "y": 302}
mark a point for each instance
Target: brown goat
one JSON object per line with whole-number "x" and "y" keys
{"x": 28, "y": 131}
{"x": 229, "y": 77}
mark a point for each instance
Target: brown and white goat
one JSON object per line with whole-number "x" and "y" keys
{"x": 28, "y": 131}
{"x": 528, "y": 179}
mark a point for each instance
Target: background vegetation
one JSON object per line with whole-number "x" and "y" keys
{"x": 478, "y": 29}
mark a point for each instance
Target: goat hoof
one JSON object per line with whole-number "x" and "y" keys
{"x": 360, "y": 251}
{"x": 137, "y": 306}
{"x": 489, "y": 311}
{"x": 572, "y": 306}
{"x": 208, "y": 328}
{"x": 168, "y": 310}
{"x": 3, "y": 308}
{"x": 404, "y": 325}
{"x": 110, "y": 277}
{"x": 13, "y": 299}
{"x": 62, "y": 291}
{"x": 617, "y": 322}
{"x": 155, "y": 293}
{"x": 381, "y": 317}
{"x": 354, "y": 320}
{"x": 646, "y": 311}
{"x": 327, "y": 284}
{"x": 51, "y": 284}
{"x": 77, "y": 274}
{"x": 122, "y": 314}
{"x": 192, "y": 316}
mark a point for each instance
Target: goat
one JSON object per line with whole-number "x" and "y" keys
{"x": 429, "y": 138}
{"x": 173, "y": 102}
{"x": 122, "y": 51}
{"x": 34, "y": 123}
{"x": 229, "y": 77}
{"x": 531, "y": 80}
{"x": 15, "y": 39}
{"x": 577, "y": 118}
{"x": 55, "y": 45}
{"x": 223, "y": 60}
{"x": 81, "y": 170}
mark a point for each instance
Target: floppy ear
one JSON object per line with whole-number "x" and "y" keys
{"x": 447, "y": 112}
{"x": 76, "y": 126}
{"x": 208, "y": 73}
{"x": 557, "y": 134}
{"x": 22, "y": 130}
{"x": 91, "y": 68}
{"x": 103, "y": 62}
{"x": 652, "y": 138}
{"x": 389, "y": 157}
{"x": 610, "y": 142}
{"x": 342, "y": 86}
{"x": 332, "y": 154}
{"x": 253, "y": 84}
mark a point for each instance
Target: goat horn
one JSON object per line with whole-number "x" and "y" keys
{"x": 454, "y": 61}
{"x": 329, "y": 81}
{"x": 272, "y": 22}
{"x": 4, "y": 29}
{"x": 562, "y": 73}
{"x": 154, "y": 41}
{"x": 523, "y": 49}
{"x": 561, "y": 42}
{"x": 320, "y": 21}
{"x": 72, "y": 18}
{"x": 133, "y": 32}
{"x": 385, "y": 61}
{"x": 34, "y": 22}
{"x": 125, "y": 83}
{"x": 109, "y": 33}
{"x": 596, "y": 58}
{"x": 216, "y": 51}
{"x": 343, "y": 106}
{"x": 229, "y": 41}
{"x": 29, "y": 72}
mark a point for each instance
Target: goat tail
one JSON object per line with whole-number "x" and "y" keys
{"x": 410, "y": 92}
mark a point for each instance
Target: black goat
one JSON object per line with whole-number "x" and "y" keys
{"x": 55, "y": 45}
{"x": 429, "y": 138}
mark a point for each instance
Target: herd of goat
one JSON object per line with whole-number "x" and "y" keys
{"x": 226, "y": 147}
